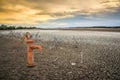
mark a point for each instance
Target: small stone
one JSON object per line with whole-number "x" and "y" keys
{"x": 73, "y": 64}
{"x": 61, "y": 48}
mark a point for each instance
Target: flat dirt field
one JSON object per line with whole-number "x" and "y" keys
{"x": 67, "y": 55}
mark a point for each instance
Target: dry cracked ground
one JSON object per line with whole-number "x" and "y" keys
{"x": 60, "y": 60}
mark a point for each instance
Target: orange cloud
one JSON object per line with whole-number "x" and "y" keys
{"x": 38, "y": 11}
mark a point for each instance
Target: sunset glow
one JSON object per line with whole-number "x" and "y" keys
{"x": 41, "y": 13}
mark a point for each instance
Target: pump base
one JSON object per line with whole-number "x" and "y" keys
{"x": 30, "y": 65}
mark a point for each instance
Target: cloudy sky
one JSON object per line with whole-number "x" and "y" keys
{"x": 60, "y": 13}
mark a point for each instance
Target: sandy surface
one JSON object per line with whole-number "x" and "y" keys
{"x": 67, "y": 55}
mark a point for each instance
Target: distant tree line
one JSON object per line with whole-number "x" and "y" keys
{"x": 6, "y": 27}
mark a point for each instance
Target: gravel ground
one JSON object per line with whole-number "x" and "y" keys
{"x": 79, "y": 60}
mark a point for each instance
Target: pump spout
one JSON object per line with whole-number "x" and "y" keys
{"x": 36, "y": 47}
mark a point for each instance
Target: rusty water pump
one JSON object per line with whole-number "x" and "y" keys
{"x": 30, "y": 47}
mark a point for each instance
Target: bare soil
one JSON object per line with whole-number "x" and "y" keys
{"x": 112, "y": 29}
{"x": 59, "y": 61}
